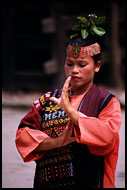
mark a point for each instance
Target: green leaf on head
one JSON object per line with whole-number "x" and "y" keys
{"x": 73, "y": 36}
{"x": 77, "y": 27}
{"x": 99, "y": 20}
{"x": 84, "y": 33}
{"x": 88, "y": 26}
{"x": 98, "y": 30}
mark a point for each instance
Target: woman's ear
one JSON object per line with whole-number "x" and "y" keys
{"x": 97, "y": 66}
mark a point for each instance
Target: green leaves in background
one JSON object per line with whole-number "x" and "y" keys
{"x": 87, "y": 26}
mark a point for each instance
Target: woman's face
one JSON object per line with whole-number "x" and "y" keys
{"x": 81, "y": 71}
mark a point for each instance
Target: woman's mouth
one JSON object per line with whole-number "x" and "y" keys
{"x": 75, "y": 78}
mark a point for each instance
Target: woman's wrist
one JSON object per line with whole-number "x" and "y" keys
{"x": 47, "y": 144}
{"x": 72, "y": 114}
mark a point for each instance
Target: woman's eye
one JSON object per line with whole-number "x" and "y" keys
{"x": 69, "y": 64}
{"x": 81, "y": 65}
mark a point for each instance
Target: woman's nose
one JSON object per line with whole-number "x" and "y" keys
{"x": 75, "y": 69}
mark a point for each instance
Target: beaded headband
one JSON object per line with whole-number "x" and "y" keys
{"x": 86, "y": 28}
{"x": 76, "y": 51}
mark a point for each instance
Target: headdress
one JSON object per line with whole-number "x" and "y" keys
{"x": 83, "y": 41}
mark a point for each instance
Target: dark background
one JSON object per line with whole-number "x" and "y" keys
{"x": 35, "y": 35}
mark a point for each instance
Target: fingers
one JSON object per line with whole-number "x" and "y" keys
{"x": 55, "y": 100}
{"x": 73, "y": 139}
{"x": 67, "y": 131}
{"x": 65, "y": 91}
{"x": 66, "y": 136}
{"x": 66, "y": 85}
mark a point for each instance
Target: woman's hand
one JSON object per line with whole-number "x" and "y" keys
{"x": 63, "y": 101}
{"x": 64, "y": 139}
{"x": 65, "y": 104}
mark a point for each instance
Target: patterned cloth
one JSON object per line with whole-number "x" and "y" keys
{"x": 56, "y": 165}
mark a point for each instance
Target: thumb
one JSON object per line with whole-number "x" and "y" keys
{"x": 55, "y": 100}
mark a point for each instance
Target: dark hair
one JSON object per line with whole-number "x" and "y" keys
{"x": 86, "y": 42}
{"x": 97, "y": 58}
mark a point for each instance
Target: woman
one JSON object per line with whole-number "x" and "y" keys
{"x": 72, "y": 133}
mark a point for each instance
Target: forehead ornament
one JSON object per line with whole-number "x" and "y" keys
{"x": 76, "y": 51}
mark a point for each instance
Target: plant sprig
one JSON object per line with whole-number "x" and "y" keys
{"x": 87, "y": 26}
